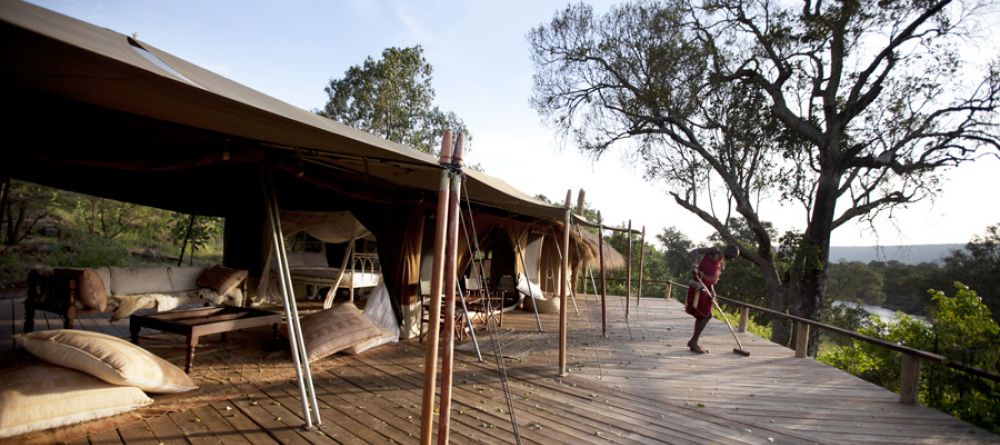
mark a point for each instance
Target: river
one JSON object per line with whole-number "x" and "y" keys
{"x": 883, "y": 313}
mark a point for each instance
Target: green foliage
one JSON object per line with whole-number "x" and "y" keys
{"x": 676, "y": 253}
{"x": 393, "y": 98}
{"x": 23, "y": 205}
{"x": 198, "y": 231}
{"x": 90, "y": 250}
{"x": 854, "y": 281}
{"x": 979, "y": 267}
{"x": 961, "y": 329}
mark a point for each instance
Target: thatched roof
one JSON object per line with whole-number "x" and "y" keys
{"x": 589, "y": 250}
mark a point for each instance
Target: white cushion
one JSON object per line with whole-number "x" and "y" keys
{"x": 105, "y": 274}
{"x": 295, "y": 259}
{"x": 139, "y": 280}
{"x": 183, "y": 278}
{"x": 314, "y": 259}
{"x": 108, "y": 358}
{"x": 42, "y": 396}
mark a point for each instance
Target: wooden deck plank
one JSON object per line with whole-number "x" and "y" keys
{"x": 399, "y": 405}
{"x": 109, "y": 437}
{"x": 166, "y": 431}
{"x": 241, "y": 423}
{"x": 639, "y": 388}
{"x": 137, "y": 433}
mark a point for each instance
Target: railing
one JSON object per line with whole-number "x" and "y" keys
{"x": 910, "y": 368}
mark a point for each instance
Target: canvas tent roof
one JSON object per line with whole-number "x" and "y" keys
{"x": 68, "y": 77}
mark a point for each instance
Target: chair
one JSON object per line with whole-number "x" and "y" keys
{"x": 477, "y": 299}
{"x": 424, "y": 293}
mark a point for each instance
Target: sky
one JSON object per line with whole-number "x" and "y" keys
{"x": 482, "y": 72}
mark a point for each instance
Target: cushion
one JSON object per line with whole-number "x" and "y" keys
{"x": 91, "y": 290}
{"x": 139, "y": 280}
{"x": 335, "y": 329}
{"x": 105, "y": 274}
{"x": 108, "y": 358}
{"x": 40, "y": 396}
{"x": 222, "y": 279}
{"x": 295, "y": 259}
{"x": 184, "y": 278}
{"x": 384, "y": 337}
{"x": 314, "y": 259}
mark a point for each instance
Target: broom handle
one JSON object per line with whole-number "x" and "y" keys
{"x": 724, "y": 317}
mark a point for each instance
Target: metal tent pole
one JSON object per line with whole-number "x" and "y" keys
{"x": 295, "y": 340}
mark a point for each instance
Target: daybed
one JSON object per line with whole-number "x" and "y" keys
{"x": 312, "y": 268}
{"x": 68, "y": 292}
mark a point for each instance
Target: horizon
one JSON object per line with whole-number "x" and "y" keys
{"x": 482, "y": 72}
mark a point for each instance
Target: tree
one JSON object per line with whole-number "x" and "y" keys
{"x": 676, "y": 253}
{"x": 979, "y": 267}
{"x": 392, "y": 97}
{"x": 22, "y": 206}
{"x": 960, "y": 329}
{"x": 844, "y": 109}
{"x": 854, "y": 281}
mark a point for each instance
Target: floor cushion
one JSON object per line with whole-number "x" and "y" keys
{"x": 40, "y": 396}
{"x": 108, "y": 358}
{"x": 335, "y": 329}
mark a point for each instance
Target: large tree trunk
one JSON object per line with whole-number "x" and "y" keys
{"x": 807, "y": 276}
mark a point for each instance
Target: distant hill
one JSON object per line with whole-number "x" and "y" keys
{"x": 913, "y": 254}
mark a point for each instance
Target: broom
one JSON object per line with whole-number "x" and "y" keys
{"x": 739, "y": 349}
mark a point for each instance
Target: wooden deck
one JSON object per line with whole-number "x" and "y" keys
{"x": 639, "y": 386}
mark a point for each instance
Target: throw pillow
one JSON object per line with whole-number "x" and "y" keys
{"x": 91, "y": 290}
{"x": 40, "y": 396}
{"x": 108, "y": 358}
{"x": 332, "y": 330}
{"x": 222, "y": 279}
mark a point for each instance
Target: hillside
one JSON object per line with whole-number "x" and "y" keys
{"x": 912, "y": 254}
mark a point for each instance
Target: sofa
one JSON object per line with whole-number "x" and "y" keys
{"x": 122, "y": 290}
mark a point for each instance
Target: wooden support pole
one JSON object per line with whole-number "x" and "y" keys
{"x": 909, "y": 379}
{"x": 563, "y": 285}
{"x": 450, "y": 283}
{"x": 801, "y": 339}
{"x": 744, "y": 318}
{"x": 628, "y": 270}
{"x": 604, "y": 283}
{"x": 669, "y": 291}
{"x": 642, "y": 251}
{"x": 580, "y": 203}
{"x": 437, "y": 278}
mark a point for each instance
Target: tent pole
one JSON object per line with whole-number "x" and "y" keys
{"x": 351, "y": 291}
{"x": 332, "y": 293}
{"x": 437, "y": 276}
{"x": 563, "y": 284}
{"x": 295, "y": 341}
{"x": 527, "y": 278}
{"x": 604, "y": 284}
{"x": 642, "y": 251}
{"x": 450, "y": 278}
{"x": 628, "y": 271}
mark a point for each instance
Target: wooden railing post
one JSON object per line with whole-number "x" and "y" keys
{"x": 909, "y": 379}
{"x": 669, "y": 291}
{"x": 744, "y": 318}
{"x": 801, "y": 339}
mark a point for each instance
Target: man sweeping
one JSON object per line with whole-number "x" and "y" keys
{"x": 707, "y": 264}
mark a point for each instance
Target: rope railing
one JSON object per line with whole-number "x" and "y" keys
{"x": 910, "y": 368}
